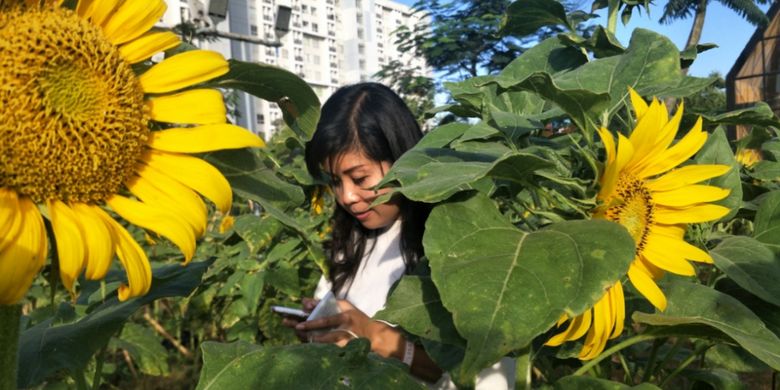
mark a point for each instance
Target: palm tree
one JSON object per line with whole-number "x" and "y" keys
{"x": 681, "y": 9}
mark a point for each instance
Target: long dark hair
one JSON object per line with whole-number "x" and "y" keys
{"x": 368, "y": 118}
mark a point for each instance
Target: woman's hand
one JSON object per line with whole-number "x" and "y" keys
{"x": 308, "y": 305}
{"x": 339, "y": 329}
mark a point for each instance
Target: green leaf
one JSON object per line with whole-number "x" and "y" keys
{"x": 591, "y": 383}
{"x": 602, "y": 42}
{"x": 145, "y": 347}
{"x": 688, "y": 55}
{"x": 525, "y": 17}
{"x": 718, "y": 378}
{"x": 734, "y": 359}
{"x": 415, "y": 305}
{"x": 256, "y": 231}
{"x": 690, "y": 303}
{"x": 300, "y": 105}
{"x": 426, "y": 175}
{"x": 766, "y": 226}
{"x": 284, "y": 277}
{"x": 442, "y": 135}
{"x": 758, "y": 115}
{"x": 46, "y": 348}
{"x": 504, "y": 286}
{"x": 766, "y": 170}
{"x": 550, "y": 56}
{"x": 717, "y": 151}
{"x": 303, "y": 366}
{"x": 650, "y": 65}
{"x": 751, "y": 265}
{"x": 251, "y": 179}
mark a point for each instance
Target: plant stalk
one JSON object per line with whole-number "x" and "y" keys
{"x": 9, "y": 345}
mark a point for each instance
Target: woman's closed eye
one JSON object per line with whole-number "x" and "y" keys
{"x": 360, "y": 180}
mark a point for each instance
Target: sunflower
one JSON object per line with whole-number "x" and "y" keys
{"x": 642, "y": 189}
{"x": 79, "y": 98}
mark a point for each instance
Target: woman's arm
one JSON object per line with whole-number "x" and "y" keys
{"x": 386, "y": 341}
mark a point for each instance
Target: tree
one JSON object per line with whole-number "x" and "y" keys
{"x": 682, "y": 9}
{"x": 412, "y": 85}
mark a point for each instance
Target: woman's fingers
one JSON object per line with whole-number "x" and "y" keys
{"x": 325, "y": 322}
{"x": 309, "y": 304}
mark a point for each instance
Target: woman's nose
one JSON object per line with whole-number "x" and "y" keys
{"x": 349, "y": 194}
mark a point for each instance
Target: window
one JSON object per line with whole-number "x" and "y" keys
{"x": 260, "y": 119}
{"x": 253, "y": 29}
{"x": 314, "y": 27}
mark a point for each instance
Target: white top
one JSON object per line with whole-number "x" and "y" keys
{"x": 378, "y": 271}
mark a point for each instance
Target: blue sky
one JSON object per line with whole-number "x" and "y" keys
{"x": 722, "y": 27}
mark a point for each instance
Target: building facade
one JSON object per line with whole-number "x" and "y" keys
{"x": 755, "y": 76}
{"x": 328, "y": 43}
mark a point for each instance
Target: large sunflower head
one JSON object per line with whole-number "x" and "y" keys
{"x": 78, "y": 139}
{"x": 644, "y": 189}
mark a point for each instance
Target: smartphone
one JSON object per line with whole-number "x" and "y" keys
{"x": 290, "y": 311}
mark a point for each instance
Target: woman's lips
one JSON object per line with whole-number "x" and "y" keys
{"x": 362, "y": 216}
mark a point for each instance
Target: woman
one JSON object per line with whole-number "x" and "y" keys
{"x": 363, "y": 129}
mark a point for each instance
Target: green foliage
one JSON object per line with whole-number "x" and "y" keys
{"x": 241, "y": 365}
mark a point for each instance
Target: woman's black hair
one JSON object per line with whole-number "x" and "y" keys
{"x": 368, "y": 118}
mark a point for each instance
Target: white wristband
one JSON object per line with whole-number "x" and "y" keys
{"x": 408, "y": 353}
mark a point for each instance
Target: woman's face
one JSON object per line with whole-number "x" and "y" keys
{"x": 353, "y": 177}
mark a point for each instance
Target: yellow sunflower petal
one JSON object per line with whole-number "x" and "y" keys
{"x": 96, "y": 10}
{"x": 183, "y": 70}
{"x": 10, "y": 223}
{"x": 197, "y": 106}
{"x": 133, "y": 260}
{"x": 690, "y": 195}
{"x": 157, "y": 220}
{"x": 660, "y": 140}
{"x": 196, "y": 174}
{"x": 576, "y": 329}
{"x": 678, "y": 153}
{"x": 612, "y": 173}
{"x": 609, "y": 144}
{"x": 25, "y": 254}
{"x": 186, "y": 205}
{"x": 101, "y": 243}
{"x": 686, "y": 175}
{"x": 599, "y": 331}
{"x": 678, "y": 246}
{"x": 665, "y": 258}
{"x": 639, "y": 104}
{"x": 133, "y": 18}
{"x": 695, "y": 214}
{"x": 69, "y": 235}
{"x": 645, "y": 134}
{"x": 205, "y": 138}
{"x": 676, "y": 231}
{"x": 148, "y": 45}
{"x": 618, "y": 308}
{"x": 647, "y": 287}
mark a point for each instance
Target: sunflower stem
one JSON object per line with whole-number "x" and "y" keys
{"x": 685, "y": 363}
{"x": 9, "y": 345}
{"x": 629, "y": 376}
{"x": 617, "y": 347}
{"x": 651, "y": 361}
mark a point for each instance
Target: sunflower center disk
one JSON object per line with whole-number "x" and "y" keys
{"x": 72, "y": 115}
{"x": 632, "y": 207}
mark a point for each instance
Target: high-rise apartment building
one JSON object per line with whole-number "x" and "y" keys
{"x": 328, "y": 43}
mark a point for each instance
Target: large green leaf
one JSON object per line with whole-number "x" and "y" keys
{"x": 304, "y": 366}
{"x": 766, "y": 226}
{"x": 650, "y": 65}
{"x": 250, "y": 178}
{"x": 46, "y": 348}
{"x": 256, "y": 231}
{"x": 751, "y": 265}
{"x": 525, "y": 17}
{"x": 717, "y": 151}
{"x": 550, "y": 56}
{"x": 432, "y": 175}
{"x": 690, "y": 303}
{"x": 415, "y": 305}
{"x": 718, "y": 378}
{"x": 300, "y": 105}
{"x": 766, "y": 170}
{"x": 504, "y": 286}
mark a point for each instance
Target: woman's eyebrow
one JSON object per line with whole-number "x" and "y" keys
{"x": 352, "y": 169}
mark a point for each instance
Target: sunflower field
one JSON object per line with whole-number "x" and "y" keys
{"x": 585, "y": 223}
